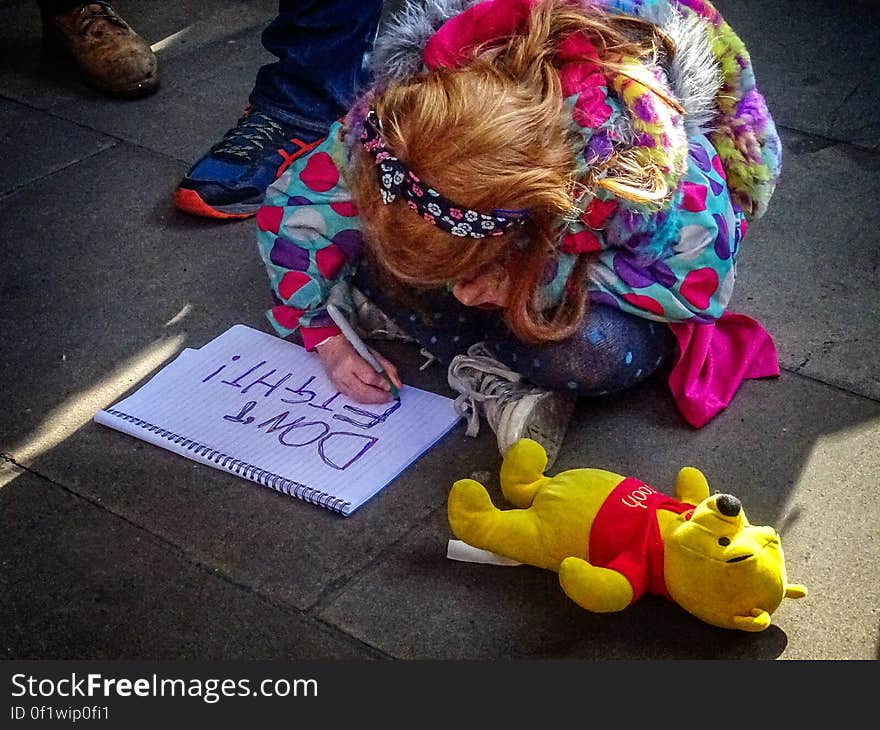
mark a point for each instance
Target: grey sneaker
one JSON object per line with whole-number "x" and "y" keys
{"x": 372, "y": 322}
{"x": 513, "y": 408}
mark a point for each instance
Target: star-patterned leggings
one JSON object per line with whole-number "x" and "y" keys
{"x": 612, "y": 350}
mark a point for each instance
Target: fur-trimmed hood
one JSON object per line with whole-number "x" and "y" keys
{"x": 693, "y": 73}
{"x": 709, "y": 56}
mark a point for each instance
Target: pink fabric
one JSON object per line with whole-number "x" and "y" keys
{"x": 485, "y": 22}
{"x": 314, "y": 336}
{"x": 713, "y": 361}
{"x": 493, "y": 20}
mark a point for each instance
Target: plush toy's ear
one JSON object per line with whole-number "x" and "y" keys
{"x": 691, "y": 486}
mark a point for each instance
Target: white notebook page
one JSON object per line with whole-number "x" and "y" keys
{"x": 262, "y": 407}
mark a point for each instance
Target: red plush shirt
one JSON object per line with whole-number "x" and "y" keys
{"x": 625, "y": 535}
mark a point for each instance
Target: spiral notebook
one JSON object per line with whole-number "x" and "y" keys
{"x": 262, "y": 408}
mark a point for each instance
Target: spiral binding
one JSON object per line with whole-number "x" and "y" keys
{"x": 241, "y": 468}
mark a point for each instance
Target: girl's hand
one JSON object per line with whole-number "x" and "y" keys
{"x": 353, "y": 376}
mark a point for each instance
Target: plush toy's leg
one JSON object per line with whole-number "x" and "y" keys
{"x": 512, "y": 533}
{"x": 522, "y": 472}
{"x": 596, "y": 589}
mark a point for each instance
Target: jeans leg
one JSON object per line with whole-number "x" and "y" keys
{"x": 436, "y": 320}
{"x": 612, "y": 351}
{"x": 322, "y": 48}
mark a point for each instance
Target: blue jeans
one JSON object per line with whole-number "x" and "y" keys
{"x": 610, "y": 352}
{"x": 323, "y": 49}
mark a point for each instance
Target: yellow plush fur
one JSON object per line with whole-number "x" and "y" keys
{"x": 716, "y": 565}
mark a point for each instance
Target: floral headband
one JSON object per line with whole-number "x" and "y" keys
{"x": 395, "y": 179}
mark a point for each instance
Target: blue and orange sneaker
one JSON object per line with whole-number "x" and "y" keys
{"x": 230, "y": 180}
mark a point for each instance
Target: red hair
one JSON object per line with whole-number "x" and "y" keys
{"x": 492, "y": 134}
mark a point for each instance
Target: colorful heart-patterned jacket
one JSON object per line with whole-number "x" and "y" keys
{"x": 676, "y": 264}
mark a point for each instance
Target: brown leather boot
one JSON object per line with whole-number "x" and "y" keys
{"x": 112, "y": 57}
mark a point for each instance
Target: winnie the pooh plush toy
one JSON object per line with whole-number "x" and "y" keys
{"x": 612, "y": 539}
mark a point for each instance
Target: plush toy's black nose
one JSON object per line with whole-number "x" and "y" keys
{"x": 728, "y": 505}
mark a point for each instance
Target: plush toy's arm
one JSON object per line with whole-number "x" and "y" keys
{"x": 596, "y": 589}
{"x": 691, "y": 486}
{"x": 758, "y": 621}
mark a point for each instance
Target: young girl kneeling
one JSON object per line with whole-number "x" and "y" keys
{"x": 549, "y": 196}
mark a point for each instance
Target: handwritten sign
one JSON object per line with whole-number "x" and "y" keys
{"x": 262, "y": 408}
